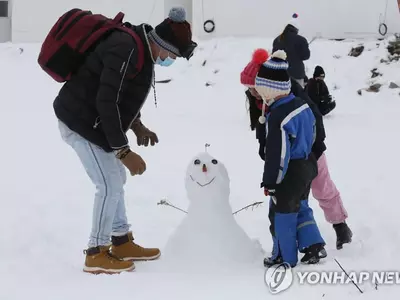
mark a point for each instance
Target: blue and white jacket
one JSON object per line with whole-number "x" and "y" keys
{"x": 290, "y": 134}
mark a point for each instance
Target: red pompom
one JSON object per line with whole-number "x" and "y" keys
{"x": 260, "y": 56}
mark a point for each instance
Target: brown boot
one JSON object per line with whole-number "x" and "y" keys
{"x": 99, "y": 260}
{"x": 124, "y": 248}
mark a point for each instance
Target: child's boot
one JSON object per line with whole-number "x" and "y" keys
{"x": 276, "y": 257}
{"x": 309, "y": 237}
{"x": 343, "y": 234}
{"x": 313, "y": 254}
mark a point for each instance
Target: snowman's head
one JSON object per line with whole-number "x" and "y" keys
{"x": 205, "y": 176}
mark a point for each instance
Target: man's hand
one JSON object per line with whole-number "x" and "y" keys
{"x": 132, "y": 161}
{"x": 143, "y": 134}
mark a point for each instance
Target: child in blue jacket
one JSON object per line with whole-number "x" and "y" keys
{"x": 290, "y": 166}
{"x": 329, "y": 199}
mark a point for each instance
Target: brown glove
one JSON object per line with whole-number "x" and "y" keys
{"x": 132, "y": 161}
{"x": 143, "y": 134}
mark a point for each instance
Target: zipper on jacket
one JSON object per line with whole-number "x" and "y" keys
{"x": 97, "y": 122}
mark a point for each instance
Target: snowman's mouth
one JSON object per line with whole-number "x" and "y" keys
{"x": 202, "y": 185}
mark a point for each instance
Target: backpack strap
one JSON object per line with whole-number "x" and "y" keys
{"x": 118, "y": 18}
{"x": 118, "y": 22}
{"x": 140, "y": 48}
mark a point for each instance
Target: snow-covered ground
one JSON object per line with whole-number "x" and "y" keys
{"x": 46, "y": 200}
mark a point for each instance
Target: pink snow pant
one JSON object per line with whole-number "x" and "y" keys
{"x": 325, "y": 191}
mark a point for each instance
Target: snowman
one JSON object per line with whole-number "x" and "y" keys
{"x": 209, "y": 235}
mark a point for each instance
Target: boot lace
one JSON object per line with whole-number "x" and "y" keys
{"x": 112, "y": 256}
{"x": 138, "y": 247}
{"x": 108, "y": 254}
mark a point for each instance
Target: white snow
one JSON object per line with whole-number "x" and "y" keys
{"x": 209, "y": 238}
{"x": 46, "y": 201}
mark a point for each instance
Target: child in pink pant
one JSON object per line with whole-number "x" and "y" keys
{"x": 328, "y": 197}
{"x": 325, "y": 191}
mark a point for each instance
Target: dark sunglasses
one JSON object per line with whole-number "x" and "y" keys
{"x": 188, "y": 51}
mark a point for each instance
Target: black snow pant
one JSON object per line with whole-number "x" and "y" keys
{"x": 294, "y": 188}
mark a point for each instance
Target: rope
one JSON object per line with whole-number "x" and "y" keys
{"x": 386, "y": 7}
{"x": 152, "y": 10}
{"x": 383, "y": 29}
{"x": 202, "y": 11}
{"x": 206, "y": 22}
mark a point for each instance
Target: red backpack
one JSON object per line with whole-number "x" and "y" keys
{"x": 76, "y": 34}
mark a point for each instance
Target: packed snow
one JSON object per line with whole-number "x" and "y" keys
{"x": 47, "y": 198}
{"x": 209, "y": 238}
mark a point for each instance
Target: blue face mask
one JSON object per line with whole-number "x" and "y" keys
{"x": 166, "y": 62}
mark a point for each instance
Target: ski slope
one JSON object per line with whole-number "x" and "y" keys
{"x": 46, "y": 200}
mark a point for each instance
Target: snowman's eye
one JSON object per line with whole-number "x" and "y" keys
{"x": 214, "y": 161}
{"x": 197, "y": 162}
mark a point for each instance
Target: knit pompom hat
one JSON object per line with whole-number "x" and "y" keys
{"x": 174, "y": 33}
{"x": 294, "y": 21}
{"x": 272, "y": 79}
{"x": 318, "y": 72}
{"x": 248, "y": 75}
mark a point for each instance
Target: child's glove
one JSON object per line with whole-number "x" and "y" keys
{"x": 268, "y": 192}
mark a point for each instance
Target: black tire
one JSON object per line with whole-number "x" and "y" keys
{"x": 206, "y": 23}
{"x": 383, "y": 29}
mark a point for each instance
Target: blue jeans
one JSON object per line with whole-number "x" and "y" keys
{"x": 109, "y": 176}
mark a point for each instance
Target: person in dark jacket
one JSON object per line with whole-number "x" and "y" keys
{"x": 318, "y": 91}
{"x": 96, "y": 108}
{"x": 289, "y": 167}
{"x": 323, "y": 188}
{"x": 296, "y": 48}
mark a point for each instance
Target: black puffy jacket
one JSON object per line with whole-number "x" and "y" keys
{"x": 103, "y": 98}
